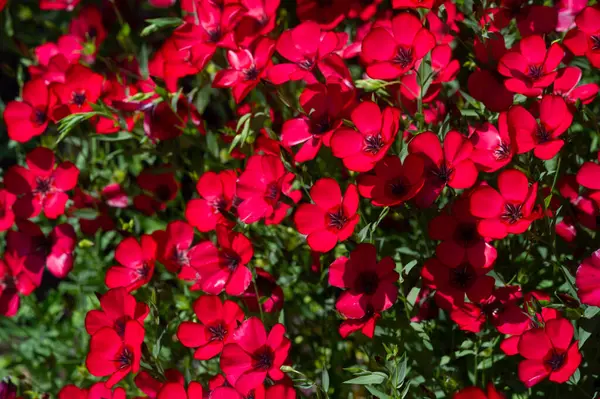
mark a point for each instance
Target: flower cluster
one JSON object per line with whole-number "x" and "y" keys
{"x": 469, "y": 127}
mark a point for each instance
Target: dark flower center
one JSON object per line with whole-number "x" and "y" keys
{"x": 92, "y": 32}
{"x": 404, "y": 57}
{"x": 143, "y": 271}
{"x": 218, "y": 204}
{"x": 251, "y": 73}
{"x": 163, "y": 192}
{"x": 217, "y": 332}
{"x": 125, "y": 358}
{"x": 502, "y": 151}
{"x": 325, "y": 3}
{"x": 368, "y": 283}
{"x": 306, "y": 64}
{"x": 263, "y": 359}
{"x": 398, "y": 188}
{"x": 535, "y": 71}
{"x": 272, "y": 192}
{"x": 337, "y": 219}
{"x": 120, "y": 326}
{"x": 542, "y": 134}
{"x": 462, "y": 277}
{"x": 180, "y": 257}
{"x": 231, "y": 260}
{"x": 373, "y": 144}
{"x": 43, "y": 185}
{"x": 466, "y": 233}
{"x": 214, "y": 35}
{"x": 595, "y": 42}
{"x": 556, "y": 361}
{"x": 38, "y": 116}
{"x": 512, "y": 213}
{"x": 322, "y": 126}
{"x": 443, "y": 173}
{"x": 78, "y": 98}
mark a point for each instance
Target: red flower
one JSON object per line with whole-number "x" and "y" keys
{"x": 270, "y": 294}
{"x": 492, "y": 148}
{"x": 162, "y": 3}
{"x": 68, "y": 5}
{"x": 42, "y": 186}
{"x": 210, "y": 28}
{"x": 247, "y": 68}
{"x": 331, "y": 218}
{"x": 589, "y": 175}
{"x": 584, "y": 40}
{"x": 88, "y": 27}
{"x": 444, "y": 31}
{"x": 136, "y": 263}
{"x": 428, "y": 4}
{"x": 217, "y": 191}
{"x": 161, "y": 186}
{"x": 114, "y": 355}
{"x": 478, "y": 393}
{"x": 81, "y": 87}
{"x": 365, "y": 324}
{"x": 548, "y": 353}
{"x": 452, "y": 283}
{"x": 161, "y": 122}
{"x": 169, "y": 63}
{"x": 118, "y": 307}
{"x": 173, "y": 390}
{"x": 486, "y": 87}
{"x": 390, "y": 54}
{"x": 226, "y": 269}
{"x": 259, "y": 18}
{"x": 16, "y": 278}
{"x": 7, "y": 216}
{"x": 29, "y": 118}
{"x": 96, "y": 391}
{"x": 305, "y": 46}
{"x": 261, "y": 187}
{"x": 460, "y": 239}
{"x": 530, "y": 67}
{"x": 451, "y": 166}
{"x": 370, "y": 286}
{"x": 152, "y": 386}
{"x": 567, "y": 11}
{"x": 361, "y": 150}
{"x": 324, "y": 107}
{"x": 509, "y": 211}
{"x": 218, "y": 321}
{"x": 253, "y": 355}
{"x": 175, "y": 248}
{"x": 392, "y": 182}
{"x": 327, "y": 14}
{"x": 588, "y": 280}
{"x": 53, "y": 59}
{"x": 541, "y": 137}
{"x": 55, "y": 251}
{"x": 565, "y": 85}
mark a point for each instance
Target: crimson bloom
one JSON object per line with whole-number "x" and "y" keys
{"x": 80, "y": 88}
{"x": 589, "y": 175}
{"x": 588, "y": 280}
{"x": 548, "y": 353}
{"x": 510, "y": 210}
{"x": 492, "y": 148}
{"x": 586, "y": 38}
{"x": 369, "y": 286}
{"x": 269, "y": 293}
{"x": 136, "y": 263}
{"x": 53, "y": 59}
{"x": 174, "y": 246}
{"x": 530, "y": 68}
{"x": 218, "y": 321}
{"x": 304, "y": 46}
{"x": 170, "y": 63}
{"x": 327, "y": 14}
{"x": 541, "y": 137}
{"x": 88, "y": 27}
{"x": 42, "y": 185}
{"x": 217, "y": 191}
{"x": 68, "y": 5}
{"x": 361, "y": 150}
{"x": 247, "y": 68}
{"x": 17, "y": 275}
{"x": 7, "y": 216}
{"x": 324, "y": 106}
{"x": 393, "y": 182}
{"x": 114, "y": 355}
{"x": 253, "y": 355}
{"x": 118, "y": 307}
{"x": 566, "y": 86}
{"x": 226, "y": 269}
{"x": 96, "y": 391}
{"x": 461, "y": 242}
{"x": 29, "y": 118}
{"x": 331, "y": 218}
{"x": 450, "y": 166}
{"x": 452, "y": 283}
{"x": 478, "y": 393}
{"x": 392, "y": 53}
{"x": 261, "y": 189}
{"x": 160, "y": 187}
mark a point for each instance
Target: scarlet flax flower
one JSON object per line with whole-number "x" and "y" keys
{"x": 29, "y": 118}
{"x": 136, "y": 263}
{"x": 118, "y": 307}
{"x": 331, "y": 218}
{"x": 217, "y": 191}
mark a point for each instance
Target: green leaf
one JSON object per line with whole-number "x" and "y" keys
{"x": 591, "y": 311}
{"x": 156, "y": 24}
{"x": 123, "y": 135}
{"x": 325, "y": 380}
{"x": 370, "y": 378}
{"x": 68, "y": 123}
{"x": 377, "y": 393}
